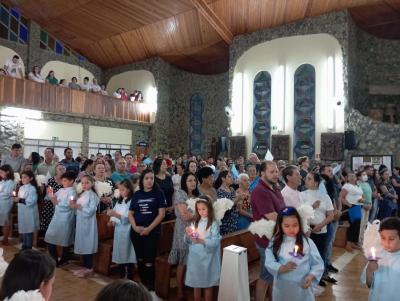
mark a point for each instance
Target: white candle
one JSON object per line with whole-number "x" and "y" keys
{"x": 296, "y": 248}
{"x": 373, "y": 254}
{"x": 14, "y": 193}
{"x": 71, "y": 198}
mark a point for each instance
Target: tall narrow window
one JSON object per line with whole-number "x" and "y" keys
{"x": 304, "y": 112}
{"x": 262, "y": 113}
{"x": 196, "y": 124}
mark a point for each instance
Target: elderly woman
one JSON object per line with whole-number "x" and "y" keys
{"x": 244, "y": 202}
{"x": 101, "y": 176}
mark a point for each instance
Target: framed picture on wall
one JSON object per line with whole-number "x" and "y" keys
{"x": 375, "y": 161}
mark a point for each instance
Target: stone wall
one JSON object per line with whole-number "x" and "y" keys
{"x": 171, "y": 130}
{"x": 336, "y": 24}
{"x": 373, "y": 137}
{"x": 12, "y": 129}
{"x": 214, "y": 90}
{"x": 376, "y": 62}
{"x": 32, "y": 54}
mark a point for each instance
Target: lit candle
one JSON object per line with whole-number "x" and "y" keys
{"x": 373, "y": 254}
{"x": 71, "y": 198}
{"x": 296, "y": 249}
{"x": 14, "y": 193}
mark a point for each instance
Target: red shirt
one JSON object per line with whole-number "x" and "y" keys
{"x": 265, "y": 200}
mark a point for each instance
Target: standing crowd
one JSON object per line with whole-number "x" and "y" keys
{"x": 59, "y": 201}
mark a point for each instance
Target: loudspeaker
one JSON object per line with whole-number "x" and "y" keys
{"x": 349, "y": 140}
{"x": 222, "y": 146}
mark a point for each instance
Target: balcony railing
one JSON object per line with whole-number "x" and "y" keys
{"x": 49, "y": 98}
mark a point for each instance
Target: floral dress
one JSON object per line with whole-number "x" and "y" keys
{"x": 48, "y": 208}
{"x": 229, "y": 222}
{"x": 179, "y": 250}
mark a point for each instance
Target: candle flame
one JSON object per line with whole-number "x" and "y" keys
{"x": 296, "y": 248}
{"x": 373, "y": 254}
{"x": 14, "y": 193}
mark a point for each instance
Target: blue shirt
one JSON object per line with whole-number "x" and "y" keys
{"x": 71, "y": 165}
{"x": 145, "y": 206}
{"x": 117, "y": 177}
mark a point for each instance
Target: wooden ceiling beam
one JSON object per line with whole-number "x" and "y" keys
{"x": 205, "y": 10}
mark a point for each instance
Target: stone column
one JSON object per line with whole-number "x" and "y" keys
{"x": 33, "y": 46}
{"x": 85, "y": 138}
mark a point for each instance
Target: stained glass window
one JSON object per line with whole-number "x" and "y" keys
{"x": 48, "y": 42}
{"x": 13, "y": 26}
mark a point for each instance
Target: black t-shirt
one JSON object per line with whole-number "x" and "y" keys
{"x": 145, "y": 207}
{"x": 167, "y": 186}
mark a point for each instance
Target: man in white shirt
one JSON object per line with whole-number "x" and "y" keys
{"x": 86, "y": 86}
{"x": 94, "y": 87}
{"x": 292, "y": 177}
{"x": 13, "y": 67}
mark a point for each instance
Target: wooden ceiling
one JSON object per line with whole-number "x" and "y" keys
{"x": 381, "y": 19}
{"x": 191, "y": 34}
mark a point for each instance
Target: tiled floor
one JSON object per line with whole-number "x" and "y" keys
{"x": 68, "y": 287}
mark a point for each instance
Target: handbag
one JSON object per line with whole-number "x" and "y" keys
{"x": 354, "y": 213}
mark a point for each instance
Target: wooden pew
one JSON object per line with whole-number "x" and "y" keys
{"x": 164, "y": 271}
{"x": 102, "y": 259}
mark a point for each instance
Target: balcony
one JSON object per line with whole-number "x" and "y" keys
{"x": 48, "y": 98}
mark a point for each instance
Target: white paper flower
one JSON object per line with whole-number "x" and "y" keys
{"x": 26, "y": 296}
{"x": 17, "y": 177}
{"x": 78, "y": 188}
{"x": 220, "y": 207}
{"x": 306, "y": 213}
{"x": 103, "y": 188}
{"x": 41, "y": 180}
{"x": 372, "y": 239}
{"x": 191, "y": 203}
{"x": 262, "y": 228}
{"x": 117, "y": 194}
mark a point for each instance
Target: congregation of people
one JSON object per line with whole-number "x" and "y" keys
{"x": 13, "y": 68}
{"x": 58, "y": 201}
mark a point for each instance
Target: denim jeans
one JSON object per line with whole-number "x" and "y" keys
{"x": 27, "y": 240}
{"x": 331, "y": 235}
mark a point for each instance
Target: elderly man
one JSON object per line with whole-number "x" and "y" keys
{"x": 48, "y": 167}
{"x": 121, "y": 173}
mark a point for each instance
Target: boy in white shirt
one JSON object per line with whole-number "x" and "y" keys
{"x": 13, "y": 67}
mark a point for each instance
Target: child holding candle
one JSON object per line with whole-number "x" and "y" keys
{"x": 383, "y": 270}
{"x": 204, "y": 261}
{"x": 6, "y": 192}
{"x": 60, "y": 233}
{"x": 86, "y": 235}
{"x": 293, "y": 259}
{"x": 28, "y": 214}
{"x": 123, "y": 253}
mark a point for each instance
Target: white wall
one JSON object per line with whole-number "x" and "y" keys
{"x": 7, "y": 54}
{"x": 142, "y": 80}
{"x": 290, "y": 52}
{"x": 99, "y": 134}
{"x": 66, "y": 71}
{"x": 46, "y": 130}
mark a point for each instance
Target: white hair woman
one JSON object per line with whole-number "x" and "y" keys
{"x": 244, "y": 202}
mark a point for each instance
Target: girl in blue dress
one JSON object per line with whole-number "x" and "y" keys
{"x": 28, "y": 214}
{"x": 86, "y": 235}
{"x": 204, "y": 258}
{"x": 382, "y": 275}
{"x": 60, "y": 233}
{"x": 123, "y": 253}
{"x": 6, "y": 189}
{"x": 293, "y": 259}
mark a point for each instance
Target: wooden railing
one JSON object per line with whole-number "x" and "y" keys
{"x": 49, "y": 98}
